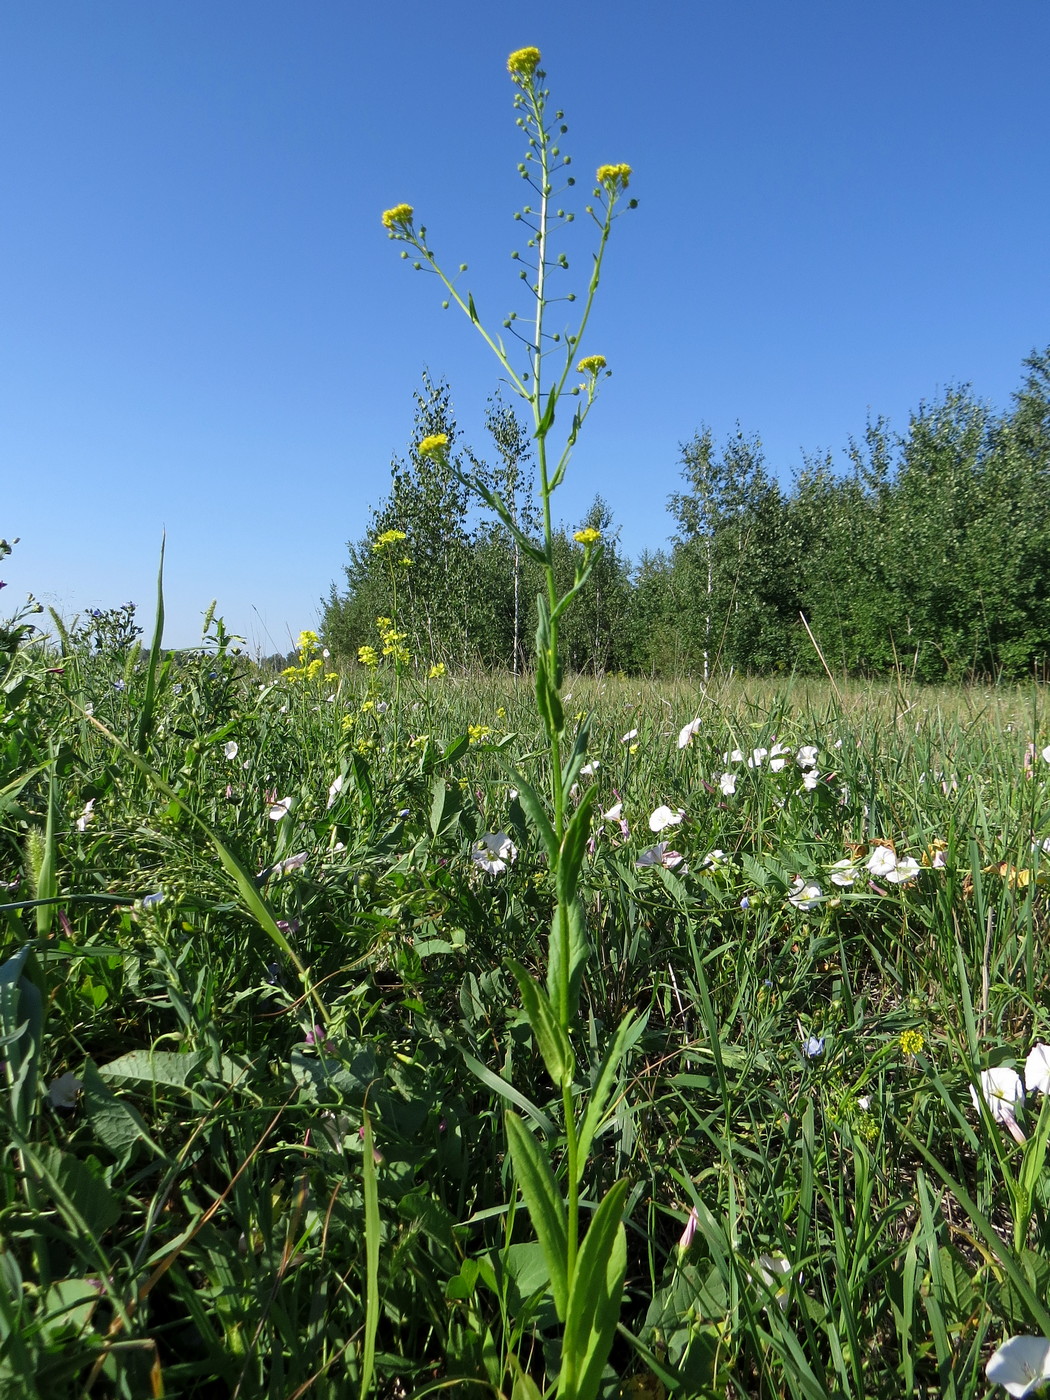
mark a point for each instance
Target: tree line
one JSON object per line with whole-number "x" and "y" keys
{"x": 930, "y": 553}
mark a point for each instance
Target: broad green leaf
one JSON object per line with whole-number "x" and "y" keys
{"x": 595, "y": 1299}
{"x": 551, "y": 1039}
{"x": 567, "y": 956}
{"x": 574, "y": 845}
{"x": 544, "y": 1203}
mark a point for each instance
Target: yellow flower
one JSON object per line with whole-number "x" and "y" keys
{"x": 523, "y": 63}
{"x": 433, "y": 445}
{"x": 387, "y": 538}
{"x": 368, "y": 656}
{"x": 614, "y": 178}
{"x": 436, "y": 671}
{"x": 477, "y": 732}
{"x": 588, "y": 536}
{"x": 911, "y": 1042}
{"x": 591, "y": 364}
{"x": 398, "y": 219}
{"x": 308, "y": 640}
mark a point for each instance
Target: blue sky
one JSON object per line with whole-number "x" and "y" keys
{"x": 843, "y": 209}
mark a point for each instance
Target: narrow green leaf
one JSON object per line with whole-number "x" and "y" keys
{"x": 149, "y": 698}
{"x": 533, "y": 805}
{"x": 566, "y": 958}
{"x": 574, "y": 845}
{"x": 627, "y": 1034}
{"x": 372, "y": 1236}
{"x": 595, "y": 1299}
{"x": 508, "y": 1092}
{"x": 544, "y": 1203}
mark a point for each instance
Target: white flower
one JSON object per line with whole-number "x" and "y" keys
{"x": 334, "y": 789}
{"x": 664, "y": 817}
{"x": 230, "y": 749}
{"x": 280, "y": 809}
{"x": 727, "y": 782}
{"x": 844, "y": 872}
{"x": 757, "y": 755}
{"x": 631, "y": 734}
{"x": 660, "y": 855}
{"x": 735, "y": 757}
{"x": 712, "y": 860}
{"x": 907, "y": 869}
{"x": 805, "y": 896}
{"x": 864, "y": 1102}
{"x": 1020, "y": 1364}
{"x": 86, "y": 814}
{"x": 807, "y": 756}
{"x": 881, "y": 861}
{"x": 1001, "y": 1089}
{"x": 64, "y": 1091}
{"x": 589, "y": 769}
{"x": 688, "y": 732}
{"x": 283, "y": 867}
{"x": 1037, "y": 1069}
{"x": 494, "y": 853}
{"x": 614, "y": 814}
{"x": 778, "y": 757}
{"x": 775, "y": 1272}
{"x": 1046, "y": 754}
{"x": 810, "y": 779}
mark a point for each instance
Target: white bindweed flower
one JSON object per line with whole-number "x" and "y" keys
{"x": 86, "y": 815}
{"x": 334, "y": 789}
{"x": 664, "y": 817}
{"x": 231, "y": 749}
{"x": 775, "y": 1272}
{"x": 688, "y": 732}
{"x": 810, "y": 779}
{"x": 614, "y": 814}
{"x": 284, "y": 867}
{"x": 280, "y": 808}
{"x": 631, "y": 734}
{"x": 807, "y": 756}
{"x": 778, "y": 757}
{"x": 65, "y": 1090}
{"x": 757, "y": 755}
{"x": 494, "y": 853}
{"x": 906, "y": 869}
{"x": 734, "y": 757}
{"x": 1037, "y": 1069}
{"x": 805, "y": 896}
{"x": 727, "y": 782}
{"x": 1020, "y": 1364}
{"x": 712, "y": 860}
{"x": 881, "y": 862}
{"x": 1001, "y": 1090}
{"x": 660, "y": 855}
{"x": 844, "y": 872}
{"x": 589, "y": 769}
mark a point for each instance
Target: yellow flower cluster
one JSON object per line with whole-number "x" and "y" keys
{"x": 368, "y": 656}
{"x": 398, "y": 219}
{"x": 310, "y": 667}
{"x": 433, "y": 445}
{"x": 477, "y": 732}
{"x": 436, "y": 671}
{"x": 591, "y": 364}
{"x": 393, "y": 642}
{"x": 911, "y": 1042}
{"x": 588, "y": 536}
{"x": 614, "y": 178}
{"x": 386, "y": 539}
{"x": 522, "y": 63}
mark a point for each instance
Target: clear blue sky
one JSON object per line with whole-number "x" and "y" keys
{"x": 844, "y": 209}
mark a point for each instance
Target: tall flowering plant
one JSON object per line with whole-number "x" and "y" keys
{"x": 587, "y": 1269}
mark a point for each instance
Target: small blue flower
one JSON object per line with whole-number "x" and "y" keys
{"x": 119, "y": 685}
{"x": 151, "y": 899}
{"x": 745, "y": 903}
{"x": 813, "y": 1047}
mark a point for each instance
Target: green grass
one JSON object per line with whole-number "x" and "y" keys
{"x": 204, "y": 1220}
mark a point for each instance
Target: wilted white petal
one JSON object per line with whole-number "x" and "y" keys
{"x": 631, "y": 734}
{"x": 589, "y": 769}
{"x": 712, "y": 860}
{"x": 1020, "y": 1364}
{"x": 775, "y": 1271}
{"x": 334, "y": 789}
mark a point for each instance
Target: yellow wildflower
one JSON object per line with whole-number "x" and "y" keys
{"x": 436, "y": 671}
{"x": 477, "y": 732}
{"x": 308, "y": 640}
{"x": 911, "y": 1042}
{"x": 433, "y": 445}
{"x": 387, "y": 538}
{"x": 368, "y": 656}
{"x": 614, "y": 178}
{"x": 588, "y": 536}
{"x": 398, "y": 219}
{"x": 591, "y": 364}
{"x": 522, "y": 63}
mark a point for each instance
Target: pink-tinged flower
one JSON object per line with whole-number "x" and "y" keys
{"x": 692, "y": 1221}
{"x": 660, "y": 855}
{"x": 688, "y": 733}
{"x": 1019, "y": 1365}
{"x": 1037, "y": 1069}
{"x": 614, "y": 814}
{"x": 279, "y": 808}
{"x": 494, "y": 853}
{"x": 1001, "y": 1090}
{"x": 664, "y": 817}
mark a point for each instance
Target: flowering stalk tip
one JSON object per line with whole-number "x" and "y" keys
{"x": 591, "y": 364}
{"x": 433, "y": 445}
{"x": 522, "y": 63}
{"x": 398, "y": 219}
{"x": 614, "y": 179}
